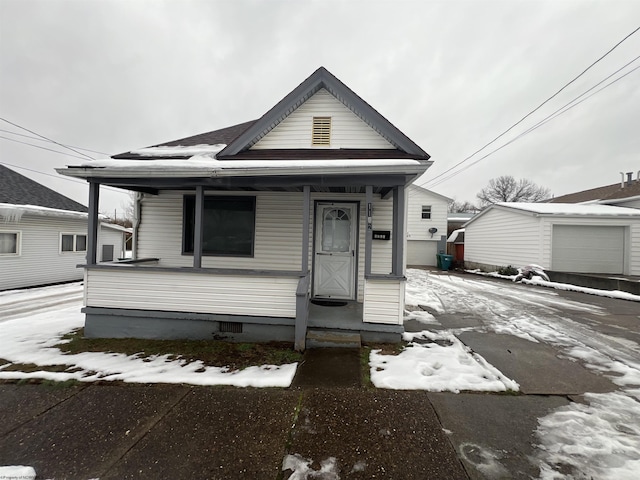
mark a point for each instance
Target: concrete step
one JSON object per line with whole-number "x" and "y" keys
{"x": 322, "y": 338}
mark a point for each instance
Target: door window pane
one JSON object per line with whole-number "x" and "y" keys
{"x": 336, "y": 230}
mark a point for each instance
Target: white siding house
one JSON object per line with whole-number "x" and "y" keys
{"x": 250, "y": 231}
{"x": 575, "y": 238}
{"x": 426, "y": 225}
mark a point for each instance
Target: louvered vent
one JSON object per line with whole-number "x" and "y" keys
{"x": 321, "y": 131}
{"x": 230, "y": 327}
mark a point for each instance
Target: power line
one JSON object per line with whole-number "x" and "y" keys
{"x": 537, "y": 108}
{"x": 42, "y": 136}
{"x": 538, "y": 125}
{"x": 43, "y": 148}
{"x": 41, "y": 140}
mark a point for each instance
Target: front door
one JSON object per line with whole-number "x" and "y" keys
{"x": 335, "y": 250}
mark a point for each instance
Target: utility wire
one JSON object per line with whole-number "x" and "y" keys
{"x": 537, "y": 108}
{"x": 52, "y": 141}
{"x": 41, "y": 140}
{"x": 538, "y": 125}
{"x": 43, "y": 148}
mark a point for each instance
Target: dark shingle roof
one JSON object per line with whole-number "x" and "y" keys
{"x": 20, "y": 190}
{"x": 608, "y": 192}
{"x": 224, "y": 135}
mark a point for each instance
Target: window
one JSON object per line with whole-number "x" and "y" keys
{"x": 228, "y": 225}
{"x": 9, "y": 243}
{"x": 72, "y": 242}
{"x": 426, "y": 211}
{"x": 321, "y": 132}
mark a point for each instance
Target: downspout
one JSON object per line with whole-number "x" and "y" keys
{"x": 136, "y": 224}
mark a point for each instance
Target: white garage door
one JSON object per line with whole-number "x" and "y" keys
{"x": 587, "y": 249}
{"x": 421, "y": 252}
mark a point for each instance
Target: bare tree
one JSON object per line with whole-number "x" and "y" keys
{"x": 462, "y": 207}
{"x": 508, "y": 189}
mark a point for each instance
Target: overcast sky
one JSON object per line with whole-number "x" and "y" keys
{"x": 114, "y": 75}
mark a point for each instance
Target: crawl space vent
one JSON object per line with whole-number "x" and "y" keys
{"x": 230, "y": 327}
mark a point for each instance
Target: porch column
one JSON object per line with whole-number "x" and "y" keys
{"x": 197, "y": 234}
{"x": 397, "y": 245}
{"x": 92, "y": 230}
{"x": 306, "y": 206}
{"x": 368, "y": 235}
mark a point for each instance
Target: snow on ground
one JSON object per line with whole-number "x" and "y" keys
{"x": 31, "y": 339}
{"x": 599, "y": 439}
{"x": 436, "y": 362}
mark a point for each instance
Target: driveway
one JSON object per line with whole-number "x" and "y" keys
{"x": 576, "y": 358}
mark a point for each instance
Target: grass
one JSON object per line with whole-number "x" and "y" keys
{"x": 215, "y": 353}
{"x": 365, "y": 351}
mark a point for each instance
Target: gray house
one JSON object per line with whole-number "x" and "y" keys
{"x": 289, "y": 227}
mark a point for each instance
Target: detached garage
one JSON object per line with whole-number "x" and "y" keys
{"x": 560, "y": 237}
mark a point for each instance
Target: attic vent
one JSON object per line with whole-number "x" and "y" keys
{"x": 321, "y": 134}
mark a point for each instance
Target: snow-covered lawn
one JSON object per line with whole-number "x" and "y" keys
{"x": 31, "y": 339}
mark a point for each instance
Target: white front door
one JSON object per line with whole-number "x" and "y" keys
{"x": 335, "y": 251}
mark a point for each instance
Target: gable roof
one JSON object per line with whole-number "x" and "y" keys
{"x": 560, "y": 210}
{"x": 601, "y": 194}
{"x": 421, "y": 189}
{"x": 239, "y": 138}
{"x": 17, "y": 189}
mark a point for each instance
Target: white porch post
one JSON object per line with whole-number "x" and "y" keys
{"x": 197, "y": 234}
{"x": 92, "y": 230}
{"x": 397, "y": 245}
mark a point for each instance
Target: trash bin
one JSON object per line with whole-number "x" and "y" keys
{"x": 439, "y": 260}
{"x": 444, "y": 261}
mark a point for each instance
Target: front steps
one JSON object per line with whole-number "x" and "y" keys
{"x": 324, "y": 338}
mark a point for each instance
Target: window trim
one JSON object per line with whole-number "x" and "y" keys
{"x": 429, "y": 212}
{"x": 18, "y": 252}
{"x": 75, "y": 243}
{"x": 209, "y": 254}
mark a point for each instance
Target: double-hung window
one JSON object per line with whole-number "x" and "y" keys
{"x": 426, "y": 211}
{"x": 228, "y": 225}
{"x": 9, "y": 243}
{"x": 73, "y": 242}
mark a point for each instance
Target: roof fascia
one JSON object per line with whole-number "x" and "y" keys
{"x": 431, "y": 192}
{"x": 322, "y": 78}
{"x": 499, "y": 207}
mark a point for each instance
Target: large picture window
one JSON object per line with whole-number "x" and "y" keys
{"x": 9, "y": 243}
{"x": 228, "y": 225}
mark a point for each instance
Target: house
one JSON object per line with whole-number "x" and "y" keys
{"x": 626, "y": 193}
{"x": 426, "y": 225}
{"x": 561, "y": 237}
{"x": 249, "y": 232}
{"x": 43, "y": 234}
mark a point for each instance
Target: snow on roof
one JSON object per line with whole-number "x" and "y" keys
{"x": 454, "y": 235}
{"x": 13, "y": 213}
{"x": 571, "y": 209}
{"x": 179, "y": 150}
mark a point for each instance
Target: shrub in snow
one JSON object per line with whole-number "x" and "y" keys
{"x": 531, "y": 271}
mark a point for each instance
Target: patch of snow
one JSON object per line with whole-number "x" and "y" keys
{"x": 11, "y": 213}
{"x": 31, "y": 339}
{"x": 17, "y": 472}
{"x": 422, "y": 317}
{"x": 592, "y": 291}
{"x": 484, "y": 459}
{"x": 179, "y": 150}
{"x": 600, "y": 440}
{"x": 436, "y": 362}
{"x": 570, "y": 209}
{"x": 301, "y": 468}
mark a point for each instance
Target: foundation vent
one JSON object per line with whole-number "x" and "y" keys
{"x": 321, "y": 133}
{"x": 230, "y": 327}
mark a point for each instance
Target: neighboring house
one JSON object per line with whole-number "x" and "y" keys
{"x": 43, "y": 234}
{"x": 455, "y": 245}
{"x": 562, "y": 237}
{"x": 426, "y": 225}
{"x": 239, "y": 229}
{"x": 626, "y": 193}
